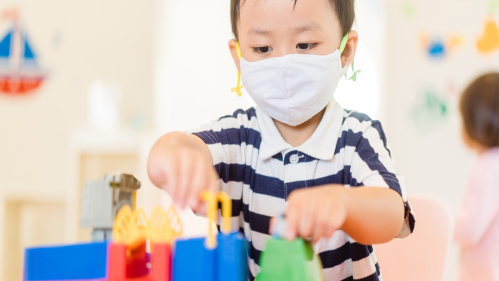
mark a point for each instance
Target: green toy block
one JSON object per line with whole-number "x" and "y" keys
{"x": 289, "y": 260}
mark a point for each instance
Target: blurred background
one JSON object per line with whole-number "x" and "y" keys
{"x": 103, "y": 79}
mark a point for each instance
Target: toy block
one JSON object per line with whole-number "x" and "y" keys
{"x": 215, "y": 258}
{"x": 133, "y": 267}
{"x": 192, "y": 260}
{"x": 289, "y": 260}
{"x": 232, "y": 257}
{"x": 161, "y": 262}
{"x": 117, "y": 262}
{"x": 195, "y": 258}
{"x": 71, "y": 262}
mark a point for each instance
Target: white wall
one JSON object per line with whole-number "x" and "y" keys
{"x": 77, "y": 42}
{"x": 194, "y": 69}
{"x": 368, "y": 92}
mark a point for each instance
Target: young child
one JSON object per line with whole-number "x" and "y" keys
{"x": 477, "y": 226}
{"x": 298, "y": 153}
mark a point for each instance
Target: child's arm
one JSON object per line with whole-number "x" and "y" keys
{"x": 369, "y": 215}
{"x": 182, "y": 165}
{"x": 372, "y": 209}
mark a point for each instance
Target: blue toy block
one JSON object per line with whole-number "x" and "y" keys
{"x": 232, "y": 264}
{"x": 71, "y": 262}
{"x": 193, "y": 261}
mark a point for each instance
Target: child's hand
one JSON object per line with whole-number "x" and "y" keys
{"x": 182, "y": 165}
{"x": 317, "y": 212}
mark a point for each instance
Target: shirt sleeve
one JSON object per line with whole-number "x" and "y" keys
{"x": 479, "y": 207}
{"x": 372, "y": 165}
{"x": 228, "y": 139}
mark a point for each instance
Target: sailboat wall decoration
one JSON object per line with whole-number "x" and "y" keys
{"x": 20, "y": 73}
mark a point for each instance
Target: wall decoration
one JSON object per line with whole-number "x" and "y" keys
{"x": 19, "y": 70}
{"x": 408, "y": 9}
{"x": 493, "y": 6}
{"x": 455, "y": 42}
{"x": 430, "y": 110}
{"x": 438, "y": 48}
{"x": 489, "y": 41}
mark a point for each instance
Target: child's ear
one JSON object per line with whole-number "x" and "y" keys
{"x": 233, "y": 51}
{"x": 348, "y": 54}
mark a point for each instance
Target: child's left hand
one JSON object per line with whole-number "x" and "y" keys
{"x": 317, "y": 212}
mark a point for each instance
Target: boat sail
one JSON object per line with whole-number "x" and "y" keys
{"x": 19, "y": 70}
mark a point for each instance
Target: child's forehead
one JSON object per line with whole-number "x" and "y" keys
{"x": 265, "y": 14}
{"x": 289, "y": 5}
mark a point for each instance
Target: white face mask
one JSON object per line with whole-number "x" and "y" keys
{"x": 293, "y": 88}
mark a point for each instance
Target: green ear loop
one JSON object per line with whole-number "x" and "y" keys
{"x": 343, "y": 44}
{"x": 342, "y": 48}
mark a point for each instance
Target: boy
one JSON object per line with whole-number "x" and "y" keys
{"x": 298, "y": 153}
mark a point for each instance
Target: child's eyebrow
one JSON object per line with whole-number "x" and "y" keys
{"x": 299, "y": 29}
{"x": 307, "y": 27}
{"x": 258, "y": 31}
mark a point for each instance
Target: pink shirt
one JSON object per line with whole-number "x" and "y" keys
{"x": 477, "y": 225}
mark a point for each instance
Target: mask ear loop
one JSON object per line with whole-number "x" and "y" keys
{"x": 239, "y": 86}
{"x": 342, "y": 48}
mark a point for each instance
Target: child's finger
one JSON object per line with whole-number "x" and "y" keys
{"x": 292, "y": 219}
{"x": 214, "y": 180}
{"x": 202, "y": 209}
{"x": 184, "y": 179}
{"x": 321, "y": 224}
{"x": 307, "y": 221}
{"x": 170, "y": 169}
{"x": 331, "y": 225}
{"x": 200, "y": 182}
{"x": 330, "y": 230}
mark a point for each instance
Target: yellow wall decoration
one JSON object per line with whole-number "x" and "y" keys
{"x": 490, "y": 39}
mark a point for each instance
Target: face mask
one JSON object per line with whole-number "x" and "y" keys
{"x": 293, "y": 88}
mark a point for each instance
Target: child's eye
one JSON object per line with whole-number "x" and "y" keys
{"x": 306, "y": 46}
{"x": 262, "y": 50}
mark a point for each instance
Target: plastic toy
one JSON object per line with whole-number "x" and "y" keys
{"x": 101, "y": 201}
{"x": 72, "y": 262}
{"x": 289, "y": 260}
{"x": 133, "y": 228}
{"x": 133, "y": 266}
{"x": 216, "y": 258}
{"x": 123, "y": 261}
{"x": 128, "y": 257}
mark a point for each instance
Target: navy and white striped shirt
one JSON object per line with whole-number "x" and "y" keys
{"x": 259, "y": 170}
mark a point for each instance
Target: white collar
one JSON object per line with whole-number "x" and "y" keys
{"x": 321, "y": 145}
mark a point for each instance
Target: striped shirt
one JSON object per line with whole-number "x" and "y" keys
{"x": 259, "y": 170}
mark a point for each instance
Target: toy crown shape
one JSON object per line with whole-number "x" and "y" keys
{"x": 132, "y": 228}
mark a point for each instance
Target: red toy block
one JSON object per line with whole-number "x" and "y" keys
{"x": 133, "y": 266}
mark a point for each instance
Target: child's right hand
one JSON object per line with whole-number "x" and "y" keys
{"x": 182, "y": 165}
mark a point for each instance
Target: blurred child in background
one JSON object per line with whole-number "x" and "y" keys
{"x": 477, "y": 226}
